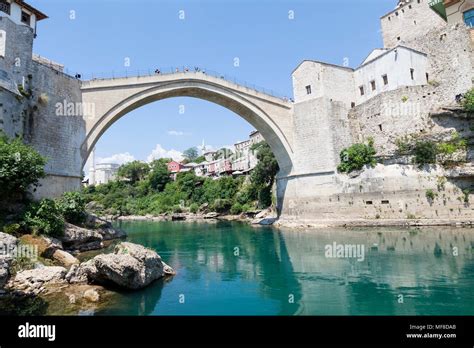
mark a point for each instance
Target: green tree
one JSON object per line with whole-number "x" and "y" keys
{"x": 134, "y": 171}
{"x": 263, "y": 175}
{"x": 159, "y": 175}
{"x": 20, "y": 167}
{"x": 191, "y": 154}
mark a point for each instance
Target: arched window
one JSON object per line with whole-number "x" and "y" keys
{"x": 469, "y": 18}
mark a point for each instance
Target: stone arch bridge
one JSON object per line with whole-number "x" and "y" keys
{"x": 113, "y": 98}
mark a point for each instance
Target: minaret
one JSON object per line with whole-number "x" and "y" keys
{"x": 92, "y": 168}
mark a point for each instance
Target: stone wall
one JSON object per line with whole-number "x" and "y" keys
{"x": 384, "y": 192}
{"x": 413, "y": 20}
{"x": 57, "y": 134}
{"x": 17, "y": 63}
{"x": 321, "y": 132}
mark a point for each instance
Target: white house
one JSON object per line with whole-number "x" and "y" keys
{"x": 21, "y": 13}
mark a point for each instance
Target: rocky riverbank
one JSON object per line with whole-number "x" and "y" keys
{"x": 52, "y": 266}
{"x": 258, "y": 217}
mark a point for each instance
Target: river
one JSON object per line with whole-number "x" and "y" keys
{"x": 231, "y": 268}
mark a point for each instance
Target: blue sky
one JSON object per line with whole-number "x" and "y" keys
{"x": 269, "y": 45}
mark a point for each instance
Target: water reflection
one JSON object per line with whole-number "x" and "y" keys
{"x": 235, "y": 269}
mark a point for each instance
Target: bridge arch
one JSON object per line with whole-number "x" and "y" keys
{"x": 114, "y": 98}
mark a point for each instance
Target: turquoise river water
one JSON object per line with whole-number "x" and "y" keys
{"x": 230, "y": 268}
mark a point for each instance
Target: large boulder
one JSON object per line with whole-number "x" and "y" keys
{"x": 81, "y": 239}
{"x": 8, "y": 245}
{"x": 34, "y": 280}
{"x": 104, "y": 228}
{"x": 64, "y": 258}
{"x": 131, "y": 266}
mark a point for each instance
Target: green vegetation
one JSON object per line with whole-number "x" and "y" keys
{"x": 73, "y": 207}
{"x": 468, "y": 100}
{"x": 20, "y": 167}
{"x": 155, "y": 193}
{"x": 44, "y": 217}
{"x": 133, "y": 171}
{"x": 425, "y": 152}
{"x": 357, "y": 156}
{"x": 430, "y": 195}
{"x": 431, "y": 152}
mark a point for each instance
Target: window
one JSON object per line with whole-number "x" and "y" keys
{"x": 353, "y": 105}
{"x": 372, "y": 84}
{"x": 5, "y": 6}
{"x": 308, "y": 89}
{"x": 399, "y": 38}
{"x": 427, "y": 77}
{"x": 25, "y": 18}
{"x": 469, "y": 18}
{"x": 361, "y": 89}
{"x": 380, "y": 127}
{"x": 412, "y": 74}
{"x": 385, "y": 79}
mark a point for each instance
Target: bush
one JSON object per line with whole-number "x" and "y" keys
{"x": 44, "y": 217}
{"x": 425, "y": 152}
{"x": 73, "y": 207}
{"x": 236, "y": 209}
{"x": 194, "y": 208}
{"x": 20, "y": 167}
{"x": 430, "y": 195}
{"x": 221, "y": 205}
{"x": 357, "y": 156}
{"x": 13, "y": 229}
{"x": 177, "y": 209}
{"x": 468, "y": 101}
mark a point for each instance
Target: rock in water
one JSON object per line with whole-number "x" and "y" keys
{"x": 78, "y": 238}
{"x": 65, "y": 258}
{"x": 131, "y": 266}
{"x": 92, "y": 295}
{"x": 32, "y": 281}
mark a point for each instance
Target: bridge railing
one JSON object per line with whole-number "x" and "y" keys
{"x": 174, "y": 70}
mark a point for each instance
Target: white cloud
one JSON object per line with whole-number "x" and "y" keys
{"x": 160, "y": 152}
{"x": 119, "y": 158}
{"x": 177, "y": 133}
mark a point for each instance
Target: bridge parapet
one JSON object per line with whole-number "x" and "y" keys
{"x": 211, "y": 76}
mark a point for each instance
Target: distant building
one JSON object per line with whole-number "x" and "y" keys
{"x": 209, "y": 156}
{"x": 103, "y": 173}
{"x": 245, "y": 159}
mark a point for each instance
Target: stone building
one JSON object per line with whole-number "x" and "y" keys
{"x": 102, "y": 173}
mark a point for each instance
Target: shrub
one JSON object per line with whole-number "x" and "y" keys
{"x": 468, "y": 100}
{"x": 425, "y": 152}
{"x": 430, "y": 195}
{"x": 194, "y": 208}
{"x": 177, "y": 209}
{"x": 356, "y": 156}
{"x": 247, "y": 207}
{"x": 466, "y": 193}
{"x": 20, "y": 166}
{"x": 236, "y": 209}
{"x": 73, "y": 207}
{"x": 222, "y": 205}
{"x": 13, "y": 229}
{"x": 44, "y": 217}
